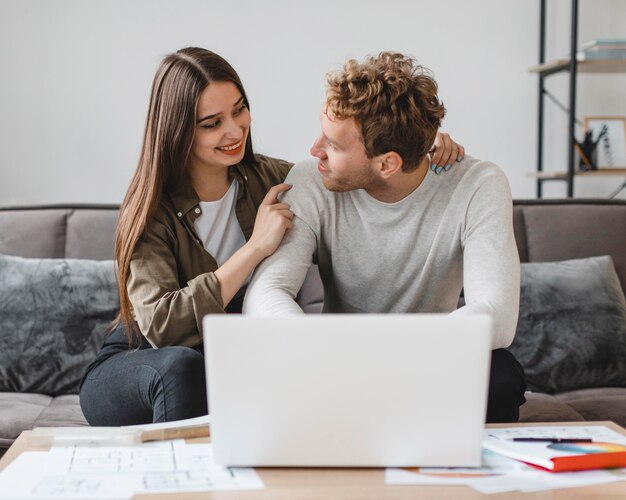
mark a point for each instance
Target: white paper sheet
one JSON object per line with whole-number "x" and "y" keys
{"x": 120, "y": 472}
{"x": 595, "y": 432}
{"x": 87, "y": 436}
{"x": 189, "y": 422}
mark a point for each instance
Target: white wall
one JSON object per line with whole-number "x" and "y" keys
{"x": 75, "y": 78}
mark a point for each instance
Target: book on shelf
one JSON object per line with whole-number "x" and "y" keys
{"x": 602, "y": 48}
{"x": 604, "y": 43}
{"x": 560, "y": 449}
{"x": 595, "y": 55}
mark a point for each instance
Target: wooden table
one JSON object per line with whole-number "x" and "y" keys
{"x": 295, "y": 484}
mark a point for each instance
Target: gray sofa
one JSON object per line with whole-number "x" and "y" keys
{"x": 44, "y": 392}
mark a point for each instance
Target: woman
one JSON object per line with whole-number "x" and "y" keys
{"x": 200, "y": 213}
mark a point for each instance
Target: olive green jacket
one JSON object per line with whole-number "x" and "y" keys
{"x": 172, "y": 284}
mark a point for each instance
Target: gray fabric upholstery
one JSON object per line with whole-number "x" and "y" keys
{"x": 83, "y": 242}
{"x": 33, "y": 233}
{"x": 58, "y": 232}
{"x": 20, "y": 411}
{"x": 62, "y": 411}
{"x": 598, "y": 404}
{"x": 54, "y": 314}
{"x": 571, "y": 331}
{"x": 546, "y": 408}
{"x": 519, "y": 229}
{"x": 576, "y": 230}
{"x": 579, "y": 405}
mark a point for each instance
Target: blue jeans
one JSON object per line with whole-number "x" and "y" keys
{"x": 142, "y": 385}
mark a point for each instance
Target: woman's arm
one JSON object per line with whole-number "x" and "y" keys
{"x": 170, "y": 315}
{"x": 166, "y": 313}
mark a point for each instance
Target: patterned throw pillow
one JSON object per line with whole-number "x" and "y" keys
{"x": 54, "y": 314}
{"x": 571, "y": 332}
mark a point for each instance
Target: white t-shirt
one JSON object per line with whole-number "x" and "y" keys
{"x": 218, "y": 227}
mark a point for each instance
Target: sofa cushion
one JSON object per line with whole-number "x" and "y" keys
{"x": 572, "y": 326}
{"x": 546, "y": 408}
{"x": 557, "y": 230}
{"x": 54, "y": 314}
{"x": 33, "y": 233}
{"x": 63, "y": 411}
{"x": 604, "y": 403}
{"x": 82, "y": 242}
{"x": 22, "y": 412}
{"x": 18, "y": 412}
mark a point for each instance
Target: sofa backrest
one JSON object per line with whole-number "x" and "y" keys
{"x": 545, "y": 230}
{"x": 553, "y": 230}
{"x": 80, "y": 232}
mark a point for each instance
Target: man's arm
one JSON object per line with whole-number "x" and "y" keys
{"x": 491, "y": 268}
{"x": 277, "y": 280}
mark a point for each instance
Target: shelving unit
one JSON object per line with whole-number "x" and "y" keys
{"x": 571, "y": 65}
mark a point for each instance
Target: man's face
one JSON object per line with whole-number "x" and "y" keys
{"x": 342, "y": 160}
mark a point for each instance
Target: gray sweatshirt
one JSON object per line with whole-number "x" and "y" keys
{"x": 454, "y": 231}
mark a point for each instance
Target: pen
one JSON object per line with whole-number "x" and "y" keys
{"x": 552, "y": 440}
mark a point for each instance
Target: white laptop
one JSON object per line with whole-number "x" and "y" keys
{"x": 347, "y": 390}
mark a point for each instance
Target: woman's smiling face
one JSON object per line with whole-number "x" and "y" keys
{"x": 222, "y": 127}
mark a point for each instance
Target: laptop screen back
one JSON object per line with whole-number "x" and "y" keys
{"x": 347, "y": 390}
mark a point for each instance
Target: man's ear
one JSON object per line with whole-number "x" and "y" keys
{"x": 390, "y": 164}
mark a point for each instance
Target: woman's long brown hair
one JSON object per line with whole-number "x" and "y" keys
{"x": 167, "y": 141}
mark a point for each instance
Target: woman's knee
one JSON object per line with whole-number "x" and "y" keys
{"x": 181, "y": 365}
{"x": 181, "y": 392}
{"x": 135, "y": 387}
{"x": 117, "y": 393}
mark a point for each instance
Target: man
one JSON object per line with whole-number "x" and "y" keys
{"x": 388, "y": 235}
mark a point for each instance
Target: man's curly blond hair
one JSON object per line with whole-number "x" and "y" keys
{"x": 393, "y": 101}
